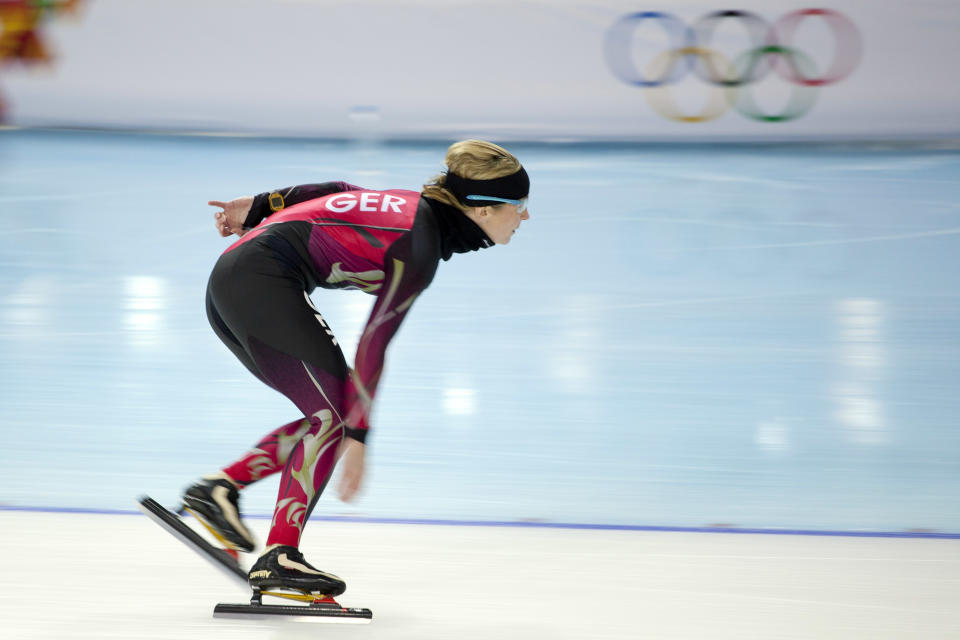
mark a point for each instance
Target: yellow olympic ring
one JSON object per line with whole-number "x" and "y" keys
{"x": 660, "y": 98}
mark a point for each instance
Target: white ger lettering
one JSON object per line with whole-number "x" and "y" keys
{"x": 343, "y": 202}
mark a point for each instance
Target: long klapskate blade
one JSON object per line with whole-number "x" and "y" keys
{"x": 314, "y": 613}
{"x": 172, "y": 523}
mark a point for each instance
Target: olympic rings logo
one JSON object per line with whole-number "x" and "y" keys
{"x": 770, "y": 51}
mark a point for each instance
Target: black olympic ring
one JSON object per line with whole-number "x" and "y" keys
{"x": 769, "y": 50}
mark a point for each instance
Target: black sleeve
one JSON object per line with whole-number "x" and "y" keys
{"x": 409, "y": 267}
{"x": 272, "y": 201}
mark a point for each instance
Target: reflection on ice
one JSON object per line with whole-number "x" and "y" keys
{"x": 861, "y": 368}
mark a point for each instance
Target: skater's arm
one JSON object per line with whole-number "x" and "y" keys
{"x": 409, "y": 267}
{"x": 242, "y": 214}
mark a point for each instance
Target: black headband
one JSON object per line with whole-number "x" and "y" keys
{"x": 516, "y": 186}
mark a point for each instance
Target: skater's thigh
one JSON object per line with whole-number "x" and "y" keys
{"x": 262, "y": 304}
{"x": 298, "y": 330}
{"x": 299, "y": 356}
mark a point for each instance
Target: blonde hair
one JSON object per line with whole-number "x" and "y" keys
{"x": 474, "y": 160}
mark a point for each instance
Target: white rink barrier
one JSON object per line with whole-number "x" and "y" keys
{"x": 538, "y": 70}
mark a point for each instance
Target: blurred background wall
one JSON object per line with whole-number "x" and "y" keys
{"x": 539, "y": 70}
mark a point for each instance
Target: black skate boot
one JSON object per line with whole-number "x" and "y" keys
{"x": 214, "y": 503}
{"x": 284, "y": 568}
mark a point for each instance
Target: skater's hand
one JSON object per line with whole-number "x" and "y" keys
{"x": 352, "y": 455}
{"x": 230, "y": 219}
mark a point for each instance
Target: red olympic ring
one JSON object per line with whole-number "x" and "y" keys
{"x": 846, "y": 55}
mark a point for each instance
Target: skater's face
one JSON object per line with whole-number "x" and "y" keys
{"x": 500, "y": 222}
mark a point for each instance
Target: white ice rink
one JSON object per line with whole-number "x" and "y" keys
{"x": 121, "y": 576}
